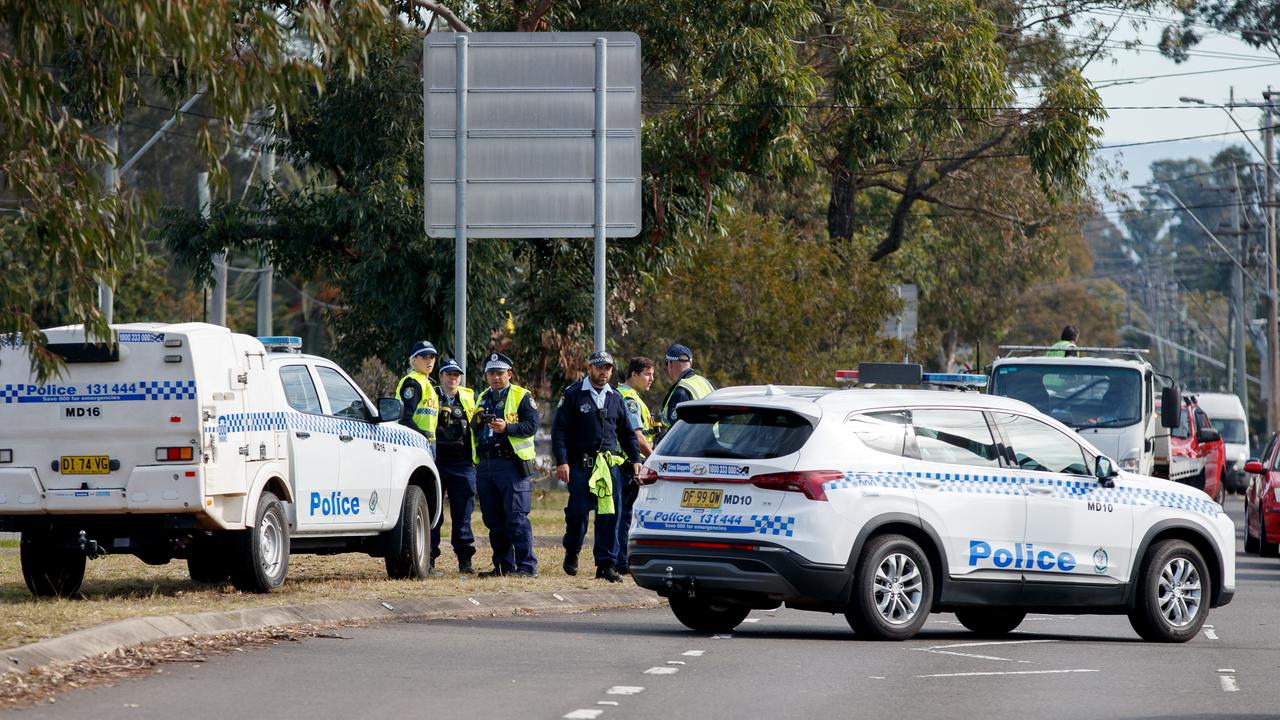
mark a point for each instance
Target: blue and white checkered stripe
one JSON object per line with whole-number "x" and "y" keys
{"x": 8, "y": 393}
{"x": 774, "y": 524}
{"x": 996, "y": 484}
{"x": 168, "y": 389}
{"x": 320, "y": 424}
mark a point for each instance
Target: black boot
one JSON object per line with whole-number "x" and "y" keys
{"x": 570, "y": 562}
{"x": 605, "y": 572}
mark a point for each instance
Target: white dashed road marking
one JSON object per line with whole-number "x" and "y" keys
{"x": 751, "y": 620}
{"x": 583, "y": 714}
{"x": 677, "y": 662}
{"x": 614, "y": 703}
{"x": 624, "y": 690}
{"x": 662, "y": 670}
{"x": 949, "y": 649}
{"x": 721, "y": 637}
{"x": 1009, "y": 672}
{"x": 1228, "y": 683}
{"x": 693, "y": 653}
{"x": 1210, "y": 633}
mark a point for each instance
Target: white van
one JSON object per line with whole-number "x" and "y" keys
{"x": 190, "y": 441}
{"x": 1226, "y": 412}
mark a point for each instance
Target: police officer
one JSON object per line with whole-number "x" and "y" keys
{"x": 421, "y": 403}
{"x": 505, "y": 423}
{"x": 590, "y": 430}
{"x": 456, "y": 461}
{"x": 643, "y": 424}
{"x": 686, "y": 384}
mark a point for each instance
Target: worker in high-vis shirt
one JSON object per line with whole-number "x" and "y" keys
{"x": 686, "y": 384}
{"x": 1066, "y": 345}
{"x": 421, "y": 403}
{"x": 639, "y": 378}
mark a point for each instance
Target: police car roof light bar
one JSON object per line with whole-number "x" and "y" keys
{"x": 282, "y": 343}
{"x": 908, "y": 374}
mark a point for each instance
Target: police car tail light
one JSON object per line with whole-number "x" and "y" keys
{"x": 172, "y": 454}
{"x": 808, "y": 482}
{"x": 646, "y": 477}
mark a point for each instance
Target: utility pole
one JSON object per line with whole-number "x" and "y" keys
{"x": 218, "y": 303}
{"x": 1269, "y": 212}
{"x": 1238, "y": 301}
{"x": 110, "y": 178}
{"x": 266, "y": 272}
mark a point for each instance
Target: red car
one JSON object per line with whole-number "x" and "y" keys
{"x": 1262, "y": 503}
{"x": 1202, "y": 451}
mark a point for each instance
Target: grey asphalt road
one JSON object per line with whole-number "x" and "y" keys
{"x": 784, "y": 664}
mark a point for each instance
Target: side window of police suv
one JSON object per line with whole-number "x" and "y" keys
{"x": 1041, "y": 447}
{"x": 344, "y": 399}
{"x": 883, "y": 431}
{"x": 299, "y": 390}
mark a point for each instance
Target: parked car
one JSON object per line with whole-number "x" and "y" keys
{"x": 1198, "y": 450}
{"x": 1226, "y": 412}
{"x": 1262, "y": 503}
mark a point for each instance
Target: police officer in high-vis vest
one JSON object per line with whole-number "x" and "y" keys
{"x": 456, "y": 461}
{"x": 686, "y": 384}
{"x": 421, "y": 403}
{"x": 590, "y": 438}
{"x": 645, "y": 427}
{"x": 505, "y": 423}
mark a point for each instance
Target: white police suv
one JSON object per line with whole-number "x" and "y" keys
{"x": 886, "y": 505}
{"x": 190, "y": 441}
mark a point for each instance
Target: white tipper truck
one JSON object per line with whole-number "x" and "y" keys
{"x": 189, "y": 441}
{"x": 1107, "y": 395}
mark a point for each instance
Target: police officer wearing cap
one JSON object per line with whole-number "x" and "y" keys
{"x": 421, "y": 404}
{"x": 456, "y": 461}
{"x": 687, "y": 385}
{"x": 505, "y": 423}
{"x": 590, "y": 437}
{"x": 644, "y": 425}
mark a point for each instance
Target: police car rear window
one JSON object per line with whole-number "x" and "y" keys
{"x": 736, "y": 432}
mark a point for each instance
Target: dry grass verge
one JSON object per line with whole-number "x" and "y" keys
{"x": 119, "y": 587}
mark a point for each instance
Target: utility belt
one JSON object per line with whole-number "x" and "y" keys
{"x": 496, "y": 452}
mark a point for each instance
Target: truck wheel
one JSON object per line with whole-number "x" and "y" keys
{"x": 990, "y": 622}
{"x": 892, "y": 589}
{"x": 706, "y": 615}
{"x": 261, "y": 553}
{"x": 413, "y": 560}
{"x": 209, "y": 562}
{"x": 49, "y": 569}
{"x": 1173, "y": 593}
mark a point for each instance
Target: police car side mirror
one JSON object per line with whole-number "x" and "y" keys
{"x": 389, "y": 409}
{"x": 1104, "y": 471}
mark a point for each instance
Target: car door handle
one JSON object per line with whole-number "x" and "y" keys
{"x": 345, "y": 438}
{"x": 302, "y": 435}
{"x": 926, "y": 483}
{"x": 1041, "y": 489}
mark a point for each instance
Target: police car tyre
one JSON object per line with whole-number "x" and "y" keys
{"x": 892, "y": 589}
{"x": 413, "y": 560}
{"x": 709, "y": 616}
{"x": 49, "y": 569}
{"x": 209, "y": 563}
{"x": 262, "y": 552}
{"x": 990, "y": 622}
{"x": 1174, "y": 590}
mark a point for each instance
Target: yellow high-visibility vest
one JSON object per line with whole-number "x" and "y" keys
{"x": 427, "y": 414}
{"x": 523, "y": 446}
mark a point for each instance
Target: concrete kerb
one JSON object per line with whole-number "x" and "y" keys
{"x": 113, "y": 636}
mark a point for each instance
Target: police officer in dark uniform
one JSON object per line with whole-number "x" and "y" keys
{"x": 590, "y": 437}
{"x": 505, "y": 423}
{"x": 685, "y": 384}
{"x": 456, "y": 461}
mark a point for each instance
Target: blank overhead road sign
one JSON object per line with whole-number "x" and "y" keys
{"x": 529, "y": 134}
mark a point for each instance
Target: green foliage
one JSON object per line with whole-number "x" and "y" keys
{"x": 69, "y": 67}
{"x": 1059, "y": 145}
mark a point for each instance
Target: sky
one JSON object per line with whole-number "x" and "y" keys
{"x": 1223, "y": 61}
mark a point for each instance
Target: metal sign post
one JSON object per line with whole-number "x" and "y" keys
{"x": 542, "y": 134}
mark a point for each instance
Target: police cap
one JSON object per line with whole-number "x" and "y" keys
{"x": 600, "y": 359}
{"x": 497, "y": 361}
{"x": 422, "y": 347}
{"x": 679, "y": 352}
{"x": 450, "y": 366}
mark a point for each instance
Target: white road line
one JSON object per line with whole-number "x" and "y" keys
{"x": 614, "y": 703}
{"x": 1210, "y": 633}
{"x": 875, "y": 677}
{"x": 693, "y": 653}
{"x": 752, "y": 620}
{"x": 676, "y": 662}
{"x": 662, "y": 670}
{"x": 988, "y": 643}
{"x": 624, "y": 690}
{"x": 970, "y": 655}
{"x": 1228, "y": 683}
{"x": 721, "y": 637}
{"x": 583, "y": 714}
{"x": 1009, "y": 672}
{"x": 1226, "y": 670}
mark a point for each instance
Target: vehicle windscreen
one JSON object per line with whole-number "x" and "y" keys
{"x": 735, "y": 432}
{"x": 1077, "y": 396}
{"x": 1232, "y": 430}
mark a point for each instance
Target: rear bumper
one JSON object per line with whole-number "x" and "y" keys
{"x": 758, "y": 574}
{"x": 148, "y": 489}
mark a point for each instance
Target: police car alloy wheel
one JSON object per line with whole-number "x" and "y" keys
{"x": 1173, "y": 593}
{"x": 409, "y": 555}
{"x": 990, "y": 622}
{"x": 49, "y": 568}
{"x": 263, "y": 561}
{"x": 892, "y": 589}
{"x": 707, "y": 615}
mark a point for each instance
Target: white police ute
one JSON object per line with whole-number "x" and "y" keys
{"x": 888, "y": 504}
{"x": 190, "y": 441}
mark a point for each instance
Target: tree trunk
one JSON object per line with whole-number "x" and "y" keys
{"x": 840, "y": 208}
{"x": 946, "y": 356}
